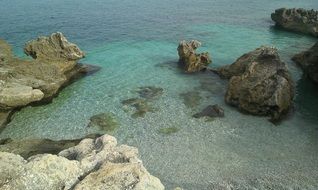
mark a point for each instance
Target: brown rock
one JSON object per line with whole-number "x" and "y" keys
{"x": 299, "y": 20}
{"x": 260, "y": 83}
{"x": 189, "y": 59}
{"x": 308, "y": 61}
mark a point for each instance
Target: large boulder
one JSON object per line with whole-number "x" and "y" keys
{"x": 54, "y": 49}
{"x": 308, "y": 61}
{"x": 260, "y": 83}
{"x": 93, "y": 164}
{"x": 54, "y": 65}
{"x": 189, "y": 59}
{"x": 299, "y": 20}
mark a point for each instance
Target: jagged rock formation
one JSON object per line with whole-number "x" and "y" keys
{"x": 299, "y": 20}
{"x": 189, "y": 59}
{"x": 92, "y": 164}
{"x": 308, "y": 61}
{"x": 28, "y": 81}
{"x": 260, "y": 83}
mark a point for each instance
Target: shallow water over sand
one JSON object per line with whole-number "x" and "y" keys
{"x": 135, "y": 44}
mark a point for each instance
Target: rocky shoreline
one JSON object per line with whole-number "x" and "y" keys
{"x": 92, "y": 164}
{"x": 298, "y": 20}
{"x": 26, "y": 82}
{"x": 259, "y": 84}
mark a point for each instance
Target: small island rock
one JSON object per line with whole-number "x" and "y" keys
{"x": 260, "y": 83}
{"x": 189, "y": 59}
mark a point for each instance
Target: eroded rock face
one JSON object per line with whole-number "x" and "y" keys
{"x": 299, "y": 20}
{"x": 23, "y": 82}
{"x": 260, "y": 83}
{"x": 55, "y": 49}
{"x": 189, "y": 59}
{"x": 92, "y": 164}
{"x": 308, "y": 61}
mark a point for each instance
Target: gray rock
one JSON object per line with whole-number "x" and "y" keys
{"x": 299, "y": 20}
{"x": 308, "y": 61}
{"x": 25, "y": 82}
{"x": 260, "y": 83}
{"x": 54, "y": 49}
{"x": 92, "y": 164}
{"x": 189, "y": 59}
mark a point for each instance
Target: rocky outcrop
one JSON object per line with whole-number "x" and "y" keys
{"x": 23, "y": 82}
{"x": 299, "y": 20}
{"x": 92, "y": 164}
{"x": 260, "y": 83}
{"x": 308, "y": 61}
{"x": 54, "y": 49}
{"x": 189, "y": 59}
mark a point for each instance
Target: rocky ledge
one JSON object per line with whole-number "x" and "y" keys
{"x": 299, "y": 20}
{"x": 260, "y": 83}
{"x": 308, "y": 61}
{"x": 25, "y": 81}
{"x": 189, "y": 59}
{"x": 92, "y": 164}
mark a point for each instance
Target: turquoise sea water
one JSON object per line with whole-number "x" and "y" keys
{"x": 135, "y": 44}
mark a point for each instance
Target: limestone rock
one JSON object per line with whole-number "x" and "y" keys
{"x": 120, "y": 176}
{"x": 24, "y": 82}
{"x": 260, "y": 83}
{"x": 299, "y": 20}
{"x": 92, "y": 164}
{"x": 17, "y": 95}
{"x": 189, "y": 59}
{"x": 308, "y": 61}
{"x": 54, "y": 48}
{"x": 41, "y": 172}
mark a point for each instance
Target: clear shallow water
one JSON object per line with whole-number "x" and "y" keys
{"x": 135, "y": 43}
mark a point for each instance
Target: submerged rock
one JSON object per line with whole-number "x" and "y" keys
{"x": 168, "y": 130}
{"x": 308, "y": 61}
{"x": 24, "y": 82}
{"x": 141, "y": 106}
{"x": 210, "y": 111}
{"x": 104, "y": 121}
{"x": 189, "y": 59}
{"x": 191, "y": 99}
{"x": 299, "y": 20}
{"x": 150, "y": 92}
{"x": 92, "y": 164}
{"x": 260, "y": 83}
{"x": 30, "y": 147}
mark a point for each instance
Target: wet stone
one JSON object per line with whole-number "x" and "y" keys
{"x": 210, "y": 111}
{"x": 191, "y": 99}
{"x": 141, "y": 106}
{"x": 150, "y": 92}
{"x": 104, "y": 121}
